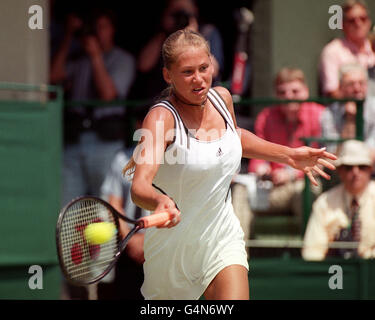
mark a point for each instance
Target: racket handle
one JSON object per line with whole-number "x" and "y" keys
{"x": 156, "y": 219}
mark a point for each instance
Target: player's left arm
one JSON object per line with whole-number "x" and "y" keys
{"x": 303, "y": 158}
{"x": 252, "y": 145}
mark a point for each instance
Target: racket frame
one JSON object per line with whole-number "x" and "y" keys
{"x": 138, "y": 225}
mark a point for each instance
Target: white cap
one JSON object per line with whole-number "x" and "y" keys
{"x": 354, "y": 153}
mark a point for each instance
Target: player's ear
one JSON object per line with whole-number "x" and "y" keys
{"x": 166, "y": 75}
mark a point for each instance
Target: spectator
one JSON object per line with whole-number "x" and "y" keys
{"x": 345, "y": 212}
{"x": 104, "y": 72}
{"x": 129, "y": 268}
{"x": 177, "y": 14}
{"x": 92, "y": 136}
{"x": 354, "y": 47}
{"x": 339, "y": 119}
{"x": 283, "y": 124}
{"x": 57, "y": 29}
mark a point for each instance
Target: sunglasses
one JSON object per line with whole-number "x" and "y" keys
{"x": 361, "y": 167}
{"x": 363, "y": 19}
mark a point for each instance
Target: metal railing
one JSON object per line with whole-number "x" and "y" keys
{"x": 243, "y": 101}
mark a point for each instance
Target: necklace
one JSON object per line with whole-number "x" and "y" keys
{"x": 202, "y": 105}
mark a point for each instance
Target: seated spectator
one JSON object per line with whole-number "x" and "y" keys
{"x": 354, "y": 47}
{"x": 283, "y": 124}
{"x": 345, "y": 212}
{"x": 177, "y": 14}
{"x": 339, "y": 119}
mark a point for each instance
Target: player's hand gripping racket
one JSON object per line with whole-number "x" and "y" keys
{"x": 82, "y": 260}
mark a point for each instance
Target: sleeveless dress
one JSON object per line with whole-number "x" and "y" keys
{"x": 180, "y": 262}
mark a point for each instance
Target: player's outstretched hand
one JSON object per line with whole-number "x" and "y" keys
{"x": 308, "y": 160}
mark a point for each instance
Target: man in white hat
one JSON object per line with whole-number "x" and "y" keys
{"x": 347, "y": 211}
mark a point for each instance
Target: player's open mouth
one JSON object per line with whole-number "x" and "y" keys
{"x": 198, "y": 90}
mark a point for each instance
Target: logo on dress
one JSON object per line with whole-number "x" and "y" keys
{"x": 219, "y": 153}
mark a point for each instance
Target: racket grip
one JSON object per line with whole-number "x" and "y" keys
{"x": 156, "y": 219}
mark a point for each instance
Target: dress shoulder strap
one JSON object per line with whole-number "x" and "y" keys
{"x": 220, "y": 105}
{"x": 180, "y": 134}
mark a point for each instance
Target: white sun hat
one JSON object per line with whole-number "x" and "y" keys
{"x": 354, "y": 153}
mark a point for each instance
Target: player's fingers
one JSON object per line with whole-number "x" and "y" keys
{"x": 329, "y": 155}
{"x": 322, "y": 153}
{"x": 312, "y": 178}
{"x": 176, "y": 219}
{"x": 313, "y": 152}
{"x": 165, "y": 225}
{"x": 321, "y": 172}
{"x": 326, "y": 164}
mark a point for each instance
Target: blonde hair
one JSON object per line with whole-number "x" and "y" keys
{"x": 171, "y": 48}
{"x": 129, "y": 167}
{"x": 176, "y": 41}
{"x": 287, "y": 74}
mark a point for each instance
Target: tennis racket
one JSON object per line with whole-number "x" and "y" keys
{"x": 83, "y": 263}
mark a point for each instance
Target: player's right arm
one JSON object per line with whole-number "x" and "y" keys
{"x": 157, "y": 125}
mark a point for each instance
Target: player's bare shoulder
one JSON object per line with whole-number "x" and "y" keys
{"x": 226, "y": 95}
{"x": 159, "y": 114}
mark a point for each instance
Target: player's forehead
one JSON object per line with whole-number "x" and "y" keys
{"x": 191, "y": 56}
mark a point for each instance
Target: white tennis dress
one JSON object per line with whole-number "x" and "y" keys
{"x": 180, "y": 262}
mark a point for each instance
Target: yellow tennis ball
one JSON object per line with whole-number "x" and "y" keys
{"x": 100, "y": 232}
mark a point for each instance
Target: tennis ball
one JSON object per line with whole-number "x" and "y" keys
{"x": 99, "y": 232}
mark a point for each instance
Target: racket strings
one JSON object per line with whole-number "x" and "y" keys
{"x": 83, "y": 261}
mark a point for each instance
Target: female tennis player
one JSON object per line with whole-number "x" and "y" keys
{"x": 201, "y": 250}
